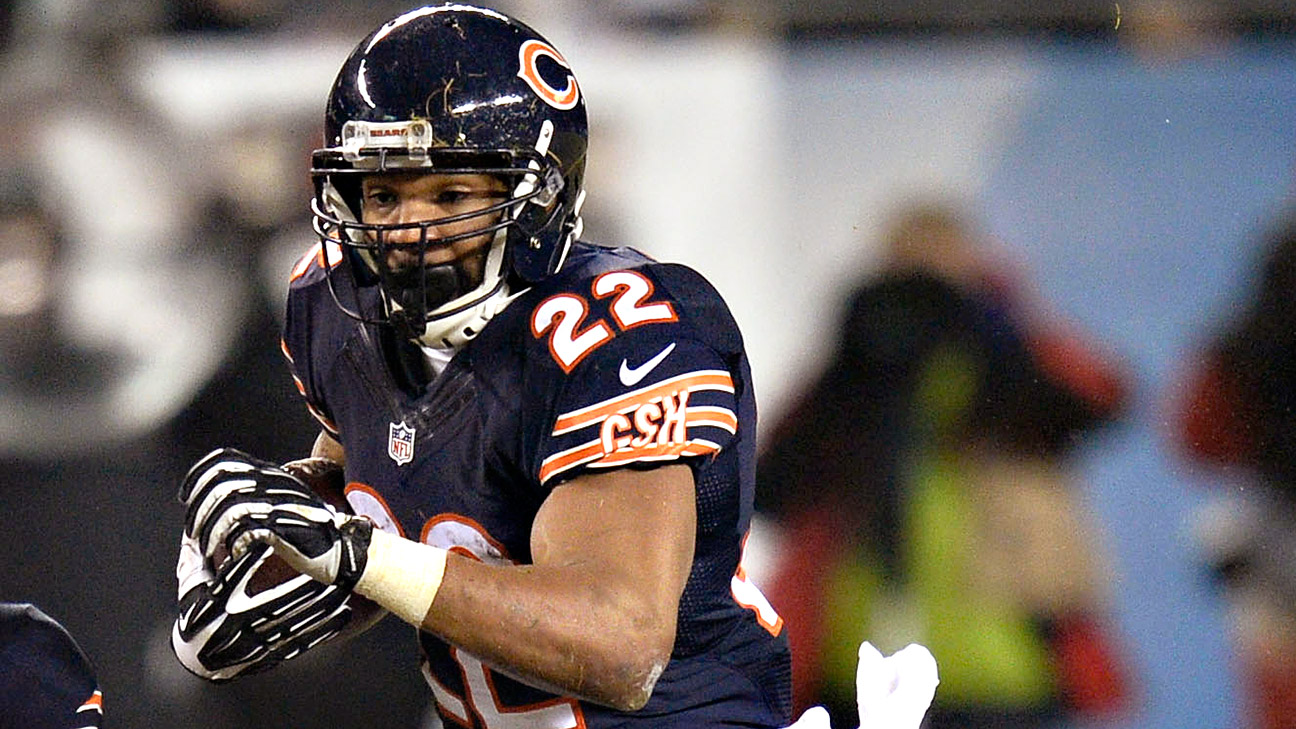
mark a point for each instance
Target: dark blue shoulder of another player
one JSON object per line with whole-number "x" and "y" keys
{"x": 45, "y": 678}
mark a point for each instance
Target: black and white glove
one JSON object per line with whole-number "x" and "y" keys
{"x": 236, "y": 501}
{"x": 223, "y": 632}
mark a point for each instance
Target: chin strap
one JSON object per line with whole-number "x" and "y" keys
{"x": 417, "y": 291}
{"x": 457, "y": 319}
{"x": 457, "y": 329}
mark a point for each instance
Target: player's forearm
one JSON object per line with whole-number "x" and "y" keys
{"x": 585, "y": 636}
{"x": 560, "y": 627}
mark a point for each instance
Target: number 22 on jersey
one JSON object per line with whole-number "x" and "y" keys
{"x": 562, "y": 317}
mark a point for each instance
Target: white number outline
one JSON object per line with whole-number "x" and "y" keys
{"x": 366, "y": 501}
{"x": 749, "y": 596}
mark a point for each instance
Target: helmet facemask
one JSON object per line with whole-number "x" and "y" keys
{"x": 442, "y": 303}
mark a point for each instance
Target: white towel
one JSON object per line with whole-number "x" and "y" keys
{"x": 894, "y": 692}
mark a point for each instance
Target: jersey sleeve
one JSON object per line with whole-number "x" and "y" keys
{"x": 650, "y": 389}
{"x": 296, "y": 342}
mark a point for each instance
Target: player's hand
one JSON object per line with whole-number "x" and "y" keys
{"x": 222, "y": 632}
{"x": 237, "y": 501}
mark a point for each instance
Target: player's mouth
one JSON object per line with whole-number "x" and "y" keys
{"x": 425, "y": 288}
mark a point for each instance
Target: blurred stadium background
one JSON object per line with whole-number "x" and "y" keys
{"x": 1125, "y": 156}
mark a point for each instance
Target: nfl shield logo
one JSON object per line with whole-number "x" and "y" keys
{"x": 400, "y": 443}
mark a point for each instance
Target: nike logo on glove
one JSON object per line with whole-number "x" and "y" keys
{"x": 632, "y": 376}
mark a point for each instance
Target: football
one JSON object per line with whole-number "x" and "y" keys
{"x": 325, "y": 478}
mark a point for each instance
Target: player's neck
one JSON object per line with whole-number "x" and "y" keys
{"x": 437, "y": 357}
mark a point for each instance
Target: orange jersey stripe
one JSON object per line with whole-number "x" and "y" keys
{"x": 592, "y": 453}
{"x": 317, "y": 253}
{"x": 94, "y": 703}
{"x": 559, "y": 462}
{"x": 701, "y": 380}
{"x": 303, "y": 263}
{"x": 328, "y": 424}
{"x": 716, "y": 417}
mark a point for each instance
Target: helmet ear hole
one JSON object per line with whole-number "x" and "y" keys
{"x": 553, "y": 185}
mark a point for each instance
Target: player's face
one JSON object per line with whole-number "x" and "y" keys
{"x": 402, "y": 198}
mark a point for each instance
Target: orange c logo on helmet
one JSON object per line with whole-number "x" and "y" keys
{"x": 528, "y": 55}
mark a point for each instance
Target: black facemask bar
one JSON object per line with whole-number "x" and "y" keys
{"x": 409, "y": 294}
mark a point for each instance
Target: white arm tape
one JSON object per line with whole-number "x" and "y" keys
{"x": 402, "y": 575}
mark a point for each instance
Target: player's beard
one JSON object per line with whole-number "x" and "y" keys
{"x": 417, "y": 290}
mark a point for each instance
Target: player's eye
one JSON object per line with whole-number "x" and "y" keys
{"x": 454, "y": 197}
{"x": 468, "y": 198}
{"x": 380, "y": 198}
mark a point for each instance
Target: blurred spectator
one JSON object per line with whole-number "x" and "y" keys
{"x": 134, "y": 316}
{"x": 924, "y": 487}
{"x": 1164, "y": 32}
{"x": 238, "y": 16}
{"x": 121, "y": 311}
{"x": 1236, "y": 415}
{"x": 50, "y": 388}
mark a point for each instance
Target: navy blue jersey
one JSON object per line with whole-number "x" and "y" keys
{"x": 616, "y": 361}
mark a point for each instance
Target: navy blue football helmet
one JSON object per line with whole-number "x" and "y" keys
{"x": 452, "y": 89}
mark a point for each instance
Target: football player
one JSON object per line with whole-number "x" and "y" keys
{"x": 46, "y": 681}
{"x": 548, "y": 444}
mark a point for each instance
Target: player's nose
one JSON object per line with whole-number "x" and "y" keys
{"x": 416, "y": 218}
{"x": 417, "y": 242}
{"x": 420, "y": 228}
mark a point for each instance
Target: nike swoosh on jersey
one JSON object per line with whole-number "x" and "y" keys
{"x": 631, "y": 376}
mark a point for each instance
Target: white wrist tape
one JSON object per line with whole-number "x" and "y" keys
{"x": 402, "y": 575}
